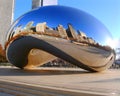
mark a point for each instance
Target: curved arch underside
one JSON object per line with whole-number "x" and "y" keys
{"x": 32, "y": 50}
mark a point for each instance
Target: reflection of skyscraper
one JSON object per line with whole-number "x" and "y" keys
{"x": 40, "y": 27}
{"x": 6, "y": 17}
{"x": 29, "y": 25}
{"x": 62, "y": 31}
{"x": 71, "y": 31}
{"x": 37, "y": 3}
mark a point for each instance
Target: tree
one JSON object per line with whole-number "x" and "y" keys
{"x": 2, "y": 55}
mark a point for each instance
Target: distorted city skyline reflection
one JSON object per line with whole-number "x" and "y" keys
{"x": 61, "y": 15}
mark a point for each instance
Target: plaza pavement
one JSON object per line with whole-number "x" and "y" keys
{"x": 63, "y": 81}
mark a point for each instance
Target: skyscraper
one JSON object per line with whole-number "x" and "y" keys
{"x": 6, "y": 17}
{"x": 37, "y": 3}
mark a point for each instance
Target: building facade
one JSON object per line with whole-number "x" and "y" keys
{"x": 6, "y": 17}
{"x": 38, "y": 3}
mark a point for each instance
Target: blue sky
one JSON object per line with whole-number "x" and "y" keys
{"x": 107, "y": 11}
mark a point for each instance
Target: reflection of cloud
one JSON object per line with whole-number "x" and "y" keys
{"x": 118, "y": 43}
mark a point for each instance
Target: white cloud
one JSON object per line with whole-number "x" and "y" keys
{"x": 50, "y": 2}
{"x": 118, "y": 43}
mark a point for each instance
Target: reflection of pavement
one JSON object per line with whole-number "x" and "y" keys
{"x": 73, "y": 80}
{"x": 95, "y": 58}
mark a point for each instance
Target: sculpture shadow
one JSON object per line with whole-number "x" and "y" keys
{"x": 49, "y": 71}
{"x": 105, "y": 80}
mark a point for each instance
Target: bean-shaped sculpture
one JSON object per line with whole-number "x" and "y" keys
{"x": 51, "y": 32}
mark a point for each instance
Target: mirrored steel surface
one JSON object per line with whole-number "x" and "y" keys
{"x": 46, "y": 33}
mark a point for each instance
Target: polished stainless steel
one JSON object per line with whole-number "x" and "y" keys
{"x": 46, "y": 33}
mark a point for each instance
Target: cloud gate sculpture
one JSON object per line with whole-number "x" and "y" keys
{"x": 51, "y": 32}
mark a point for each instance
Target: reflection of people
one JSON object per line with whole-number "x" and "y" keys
{"x": 12, "y": 66}
{"x": 59, "y": 63}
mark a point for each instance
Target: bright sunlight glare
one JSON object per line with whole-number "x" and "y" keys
{"x": 113, "y": 43}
